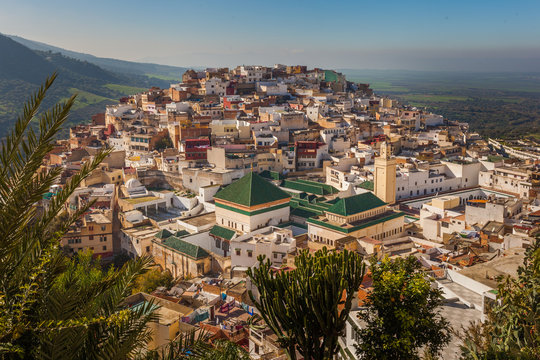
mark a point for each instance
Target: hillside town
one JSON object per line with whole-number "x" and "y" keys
{"x": 228, "y": 165}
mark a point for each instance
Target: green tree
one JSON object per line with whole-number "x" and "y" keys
{"x": 307, "y": 307}
{"x": 401, "y": 313}
{"x": 51, "y": 306}
{"x": 197, "y": 347}
{"x": 164, "y": 143}
{"x": 151, "y": 280}
{"x": 512, "y": 330}
{"x": 225, "y": 350}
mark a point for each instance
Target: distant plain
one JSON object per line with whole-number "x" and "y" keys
{"x": 505, "y": 105}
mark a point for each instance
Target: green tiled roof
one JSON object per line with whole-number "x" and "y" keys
{"x": 274, "y": 175}
{"x": 317, "y": 206}
{"x": 222, "y": 232}
{"x": 356, "y": 204}
{"x": 297, "y": 195}
{"x": 333, "y": 201}
{"x": 254, "y": 212}
{"x": 311, "y": 187}
{"x": 304, "y": 212}
{"x": 291, "y": 223}
{"x": 251, "y": 190}
{"x": 327, "y": 188}
{"x": 181, "y": 233}
{"x": 362, "y": 225}
{"x": 330, "y": 76}
{"x": 295, "y": 185}
{"x": 193, "y": 251}
{"x": 163, "y": 234}
{"x": 368, "y": 185}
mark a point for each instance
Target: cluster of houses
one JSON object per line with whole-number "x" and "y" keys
{"x": 231, "y": 164}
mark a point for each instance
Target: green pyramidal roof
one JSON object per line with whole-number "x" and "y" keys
{"x": 222, "y": 232}
{"x": 193, "y": 251}
{"x": 163, "y": 234}
{"x": 251, "y": 190}
{"x": 181, "y": 233}
{"x": 356, "y": 204}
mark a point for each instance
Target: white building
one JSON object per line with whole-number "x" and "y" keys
{"x": 137, "y": 241}
{"x": 432, "y": 120}
{"x": 439, "y": 219}
{"x": 496, "y": 209}
{"x": 508, "y": 179}
{"x": 339, "y": 174}
{"x": 177, "y": 107}
{"x": 272, "y": 88}
{"x": 216, "y": 86}
{"x": 251, "y": 73}
{"x": 446, "y": 176}
{"x": 119, "y": 142}
{"x": 336, "y": 139}
{"x": 272, "y": 242}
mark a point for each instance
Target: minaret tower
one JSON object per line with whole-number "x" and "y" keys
{"x": 385, "y": 175}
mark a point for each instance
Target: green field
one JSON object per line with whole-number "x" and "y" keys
{"x": 495, "y": 104}
{"x": 125, "y": 89}
{"x": 165, "y": 78}
{"x": 427, "y": 98}
{"x": 387, "y": 86}
{"x": 85, "y": 98}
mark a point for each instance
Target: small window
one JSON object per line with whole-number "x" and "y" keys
{"x": 91, "y": 237}
{"x": 238, "y": 251}
{"x": 103, "y": 227}
{"x": 104, "y": 247}
{"x": 148, "y": 249}
{"x": 250, "y": 253}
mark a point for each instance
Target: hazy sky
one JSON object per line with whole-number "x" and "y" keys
{"x": 405, "y": 34}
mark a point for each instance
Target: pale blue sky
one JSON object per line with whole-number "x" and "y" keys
{"x": 419, "y": 35}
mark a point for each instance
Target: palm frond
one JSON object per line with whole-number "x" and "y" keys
{"x": 48, "y": 308}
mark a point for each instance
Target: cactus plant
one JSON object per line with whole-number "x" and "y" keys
{"x": 307, "y": 307}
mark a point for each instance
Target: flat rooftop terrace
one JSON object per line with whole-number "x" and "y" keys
{"x": 458, "y": 314}
{"x": 200, "y": 220}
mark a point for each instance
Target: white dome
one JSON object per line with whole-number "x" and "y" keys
{"x": 133, "y": 184}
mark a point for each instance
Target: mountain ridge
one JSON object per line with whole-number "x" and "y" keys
{"x": 23, "y": 70}
{"x": 111, "y": 64}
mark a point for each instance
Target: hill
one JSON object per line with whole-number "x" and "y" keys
{"x": 120, "y": 66}
{"x": 22, "y": 70}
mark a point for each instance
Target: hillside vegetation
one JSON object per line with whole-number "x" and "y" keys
{"x": 22, "y": 70}
{"x": 114, "y": 65}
